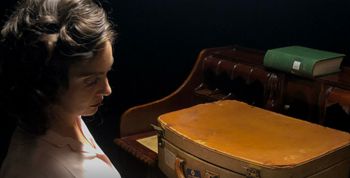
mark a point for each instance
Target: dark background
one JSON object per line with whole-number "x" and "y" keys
{"x": 159, "y": 41}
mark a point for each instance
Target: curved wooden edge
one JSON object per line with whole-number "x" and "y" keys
{"x": 338, "y": 95}
{"x": 138, "y": 119}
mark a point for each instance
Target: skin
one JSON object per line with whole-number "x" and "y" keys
{"x": 88, "y": 85}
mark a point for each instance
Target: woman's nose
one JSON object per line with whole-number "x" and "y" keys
{"x": 106, "y": 88}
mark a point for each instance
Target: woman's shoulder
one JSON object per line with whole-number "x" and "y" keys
{"x": 33, "y": 165}
{"x": 29, "y": 156}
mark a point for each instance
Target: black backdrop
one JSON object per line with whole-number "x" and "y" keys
{"x": 159, "y": 41}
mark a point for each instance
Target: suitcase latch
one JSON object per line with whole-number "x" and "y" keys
{"x": 253, "y": 173}
{"x": 160, "y": 134}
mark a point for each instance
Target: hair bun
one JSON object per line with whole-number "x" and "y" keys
{"x": 47, "y": 24}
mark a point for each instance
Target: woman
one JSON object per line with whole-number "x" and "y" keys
{"x": 58, "y": 54}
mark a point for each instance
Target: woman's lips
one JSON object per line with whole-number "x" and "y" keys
{"x": 97, "y": 105}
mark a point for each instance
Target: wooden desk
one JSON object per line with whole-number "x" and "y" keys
{"x": 237, "y": 73}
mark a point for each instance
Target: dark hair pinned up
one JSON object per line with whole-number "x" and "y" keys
{"x": 41, "y": 39}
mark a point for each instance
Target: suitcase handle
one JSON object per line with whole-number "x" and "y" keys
{"x": 179, "y": 165}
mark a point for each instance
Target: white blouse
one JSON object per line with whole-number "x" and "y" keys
{"x": 55, "y": 156}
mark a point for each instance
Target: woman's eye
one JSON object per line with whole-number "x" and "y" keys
{"x": 91, "y": 81}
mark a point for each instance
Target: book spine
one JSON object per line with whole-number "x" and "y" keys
{"x": 288, "y": 63}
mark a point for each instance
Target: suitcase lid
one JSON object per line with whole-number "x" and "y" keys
{"x": 249, "y": 133}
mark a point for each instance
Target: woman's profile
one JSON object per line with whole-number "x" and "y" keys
{"x": 58, "y": 54}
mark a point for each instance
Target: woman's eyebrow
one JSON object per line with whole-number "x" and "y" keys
{"x": 90, "y": 73}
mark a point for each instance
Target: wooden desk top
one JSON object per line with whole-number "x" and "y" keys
{"x": 131, "y": 145}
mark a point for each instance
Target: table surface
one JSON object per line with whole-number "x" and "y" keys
{"x": 140, "y": 151}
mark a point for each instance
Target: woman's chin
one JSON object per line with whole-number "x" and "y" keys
{"x": 91, "y": 111}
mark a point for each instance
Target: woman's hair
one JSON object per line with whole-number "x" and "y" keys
{"x": 39, "y": 42}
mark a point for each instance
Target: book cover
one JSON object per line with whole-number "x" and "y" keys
{"x": 303, "y": 61}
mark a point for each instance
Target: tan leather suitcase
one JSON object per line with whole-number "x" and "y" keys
{"x": 233, "y": 139}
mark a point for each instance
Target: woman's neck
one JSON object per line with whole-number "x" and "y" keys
{"x": 67, "y": 125}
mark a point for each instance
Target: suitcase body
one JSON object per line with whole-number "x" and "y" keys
{"x": 233, "y": 139}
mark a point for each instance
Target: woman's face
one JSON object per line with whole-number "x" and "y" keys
{"x": 88, "y": 84}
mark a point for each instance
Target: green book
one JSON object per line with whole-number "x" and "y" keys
{"x": 303, "y": 61}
